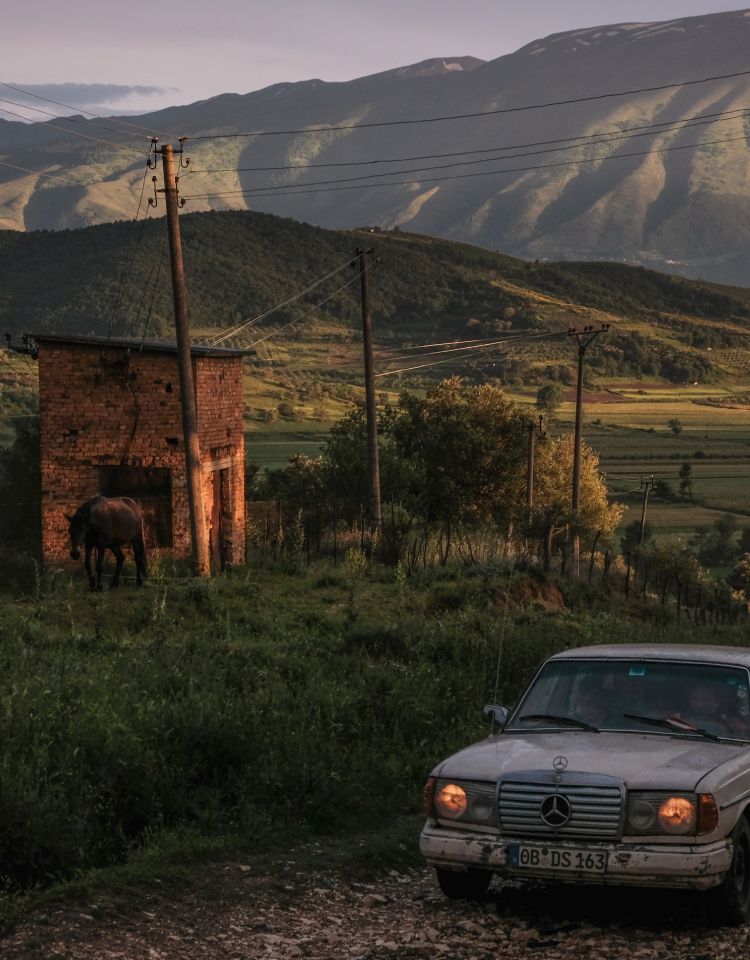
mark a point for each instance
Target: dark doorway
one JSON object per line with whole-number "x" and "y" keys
{"x": 220, "y": 518}
{"x": 152, "y": 488}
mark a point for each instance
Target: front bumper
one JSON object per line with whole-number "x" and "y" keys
{"x": 698, "y": 866}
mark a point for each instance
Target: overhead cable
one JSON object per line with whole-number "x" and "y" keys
{"x": 58, "y": 116}
{"x": 69, "y": 106}
{"x": 470, "y": 163}
{"x": 291, "y": 190}
{"x": 467, "y": 350}
{"x": 479, "y": 113}
{"x": 607, "y": 136}
{"x": 72, "y": 133}
{"x": 317, "y": 306}
{"x": 233, "y": 331}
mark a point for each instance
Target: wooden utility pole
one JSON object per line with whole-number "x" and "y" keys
{"x": 198, "y": 530}
{"x": 584, "y": 337}
{"x": 376, "y": 516}
{"x": 530, "y": 466}
{"x": 647, "y": 485}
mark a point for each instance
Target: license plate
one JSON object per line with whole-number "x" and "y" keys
{"x": 526, "y": 857}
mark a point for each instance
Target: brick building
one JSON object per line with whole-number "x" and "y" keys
{"x": 111, "y": 423}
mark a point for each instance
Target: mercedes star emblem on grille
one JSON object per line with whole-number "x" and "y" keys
{"x": 555, "y": 810}
{"x": 560, "y": 763}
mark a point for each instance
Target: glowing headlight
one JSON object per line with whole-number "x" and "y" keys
{"x": 652, "y": 813}
{"x": 677, "y": 815}
{"x": 450, "y": 801}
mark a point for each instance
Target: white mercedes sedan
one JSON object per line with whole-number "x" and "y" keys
{"x": 619, "y": 765}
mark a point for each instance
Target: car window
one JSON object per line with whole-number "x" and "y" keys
{"x": 609, "y": 694}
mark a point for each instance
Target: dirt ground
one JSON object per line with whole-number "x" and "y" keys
{"x": 273, "y": 911}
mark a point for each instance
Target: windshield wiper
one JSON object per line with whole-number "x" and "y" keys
{"x": 673, "y": 723}
{"x": 562, "y": 721}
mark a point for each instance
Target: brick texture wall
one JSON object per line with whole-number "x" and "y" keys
{"x": 113, "y": 406}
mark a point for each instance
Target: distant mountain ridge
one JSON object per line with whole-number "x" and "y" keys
{"x": 686, "y": 210}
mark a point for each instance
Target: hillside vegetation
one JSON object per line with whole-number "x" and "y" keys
{"x": 675, "y": 350}
{"x": 104, "y": 279}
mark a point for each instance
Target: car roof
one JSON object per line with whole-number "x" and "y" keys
{"x": 698, "y": 653}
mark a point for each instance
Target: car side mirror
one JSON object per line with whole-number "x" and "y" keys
{"x": 497, "y": 714}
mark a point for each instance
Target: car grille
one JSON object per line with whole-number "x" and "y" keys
{"x": 595, "y": 804}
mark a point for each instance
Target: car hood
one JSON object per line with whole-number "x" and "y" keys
{"x": 643, "y": 761}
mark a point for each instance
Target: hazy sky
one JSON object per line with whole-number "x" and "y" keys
{"x": 195, "y": 49}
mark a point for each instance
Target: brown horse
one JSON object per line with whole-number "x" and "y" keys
{"x": 107, "y": 524}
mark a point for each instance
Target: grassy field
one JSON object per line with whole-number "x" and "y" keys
{"x": 262, "y": 701}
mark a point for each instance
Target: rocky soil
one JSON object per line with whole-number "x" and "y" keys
{"x": 275, "y": 911}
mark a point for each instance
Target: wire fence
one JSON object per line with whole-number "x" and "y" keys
{"x": 302, "y": 531}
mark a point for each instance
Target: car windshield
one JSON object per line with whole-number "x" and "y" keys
{"x": 661, "y": 697}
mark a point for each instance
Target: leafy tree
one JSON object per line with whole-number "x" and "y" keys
{"x": 675, "y": 426}
{"x": 739, "y": 578}
{"x": 301, "y": 479}
{"x": 686, "y": 483}
{"x": 630, "y": 539}
{"x": 345, "y": 459}
{"x": 466, "y": 447}
{"x": 663, "y": 490}
{"x": 553, "y": 494}
{"x": 548, "y": 400}
{"x": 717, "y": 545}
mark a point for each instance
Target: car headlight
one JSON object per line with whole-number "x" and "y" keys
{"x": 450, "y": 801}
{"x": 465, "y": 801}
{"x": 652, "y": 813}
{"x": 677, "y": 815}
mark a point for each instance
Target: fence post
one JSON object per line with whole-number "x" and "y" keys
{"x": 679, "y": 598}
{"x": 335, "y": 537}
{"x": 307, "y": 530}
{"x": 627, "y": 576}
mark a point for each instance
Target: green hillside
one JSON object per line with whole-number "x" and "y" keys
{"x": 240, "y": 264}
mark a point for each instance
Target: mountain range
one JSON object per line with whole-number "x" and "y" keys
{"x": 673, "y": 196}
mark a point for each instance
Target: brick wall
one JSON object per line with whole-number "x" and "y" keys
{"x": 218, "y": 396}
{"x": 110, "y": 406}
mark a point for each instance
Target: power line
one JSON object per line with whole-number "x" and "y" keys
{"x": 307, "y": 314}
{"x": 292, "y": 190}
{"x": 233, "y": 331}
{"x": 468, "y": 163}
{"x": 466, "y": 116}
{"x": 58, "y": 116}
{"x": 444, "y": 343}
{"x": 72, "y": 133}
{"x": 155, "y": 288}
{"x": 68, "y": 106}
{"x": 48, "y": 176}
{"x": 607, "y": 136}
{"x": 466, "y": 350}
{"x": 472, "y": 345}
{"x": 129, "y": 251}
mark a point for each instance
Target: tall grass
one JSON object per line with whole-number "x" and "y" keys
{"x": 251, "y": 701}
